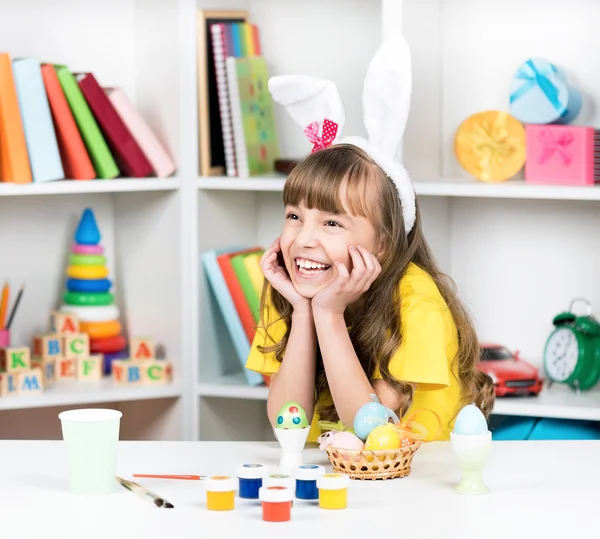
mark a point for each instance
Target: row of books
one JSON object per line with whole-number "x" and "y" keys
{"x": 246, "y": 110}
{"x": 55, "y": 124}
{"x": 236, "y": 280}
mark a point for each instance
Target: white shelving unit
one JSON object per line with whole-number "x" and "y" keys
{"x": 517, "y": 252}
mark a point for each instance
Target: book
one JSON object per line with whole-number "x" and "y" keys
{"x": 76, "y": 162}
{"x": 252, "y": 298}
{"x": 14, "y": 159}
{"x": 102, "y": 158}
{"x": 129, "y": 156}
{"x": 40, "y": 136}
{"x": 152, "y": 148}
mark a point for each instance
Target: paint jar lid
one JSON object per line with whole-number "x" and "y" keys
{"x": 309, "y": 472}
{"x": 280, "y": 480}
{"x": 275, "y": 494}
{"x": 333, "y": 481}
{"x": 219, "y": 483}
{"x": 252, "y": 471}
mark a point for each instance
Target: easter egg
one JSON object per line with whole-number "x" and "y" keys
{"x": 383, "y": 437}
{"x": 470, "y": 421}
{"x": 291, "y": 416}
{"x": 368, "y": 417}
{"x": 346, "y": 440}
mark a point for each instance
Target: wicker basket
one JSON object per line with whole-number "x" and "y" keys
{"x": 373, "y": 464}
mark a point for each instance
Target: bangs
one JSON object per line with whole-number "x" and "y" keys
{"x": 335, "y": 180}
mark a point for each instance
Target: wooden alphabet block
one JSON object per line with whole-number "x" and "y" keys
{"x": 15, "y": 359}
{"x": 156, "y": 372}
{"x": 142, "y": 348}
{"x": 47, "y": 366}
{"x": 64, "y": 323}
{"x": 66, "y": 368}
{"x": 30, "y": 382}
{"x": 9, "y": 386}
{"x": 76, "y": 345}
{"x": 126, "y": 371}
{"x": 90, "y": 368}
{"x": 48, "y": 346}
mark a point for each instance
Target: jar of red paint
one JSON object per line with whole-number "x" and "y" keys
{"x": 276, "y": 503}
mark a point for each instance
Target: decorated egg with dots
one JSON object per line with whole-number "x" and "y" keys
{"x": 291, "y": 416}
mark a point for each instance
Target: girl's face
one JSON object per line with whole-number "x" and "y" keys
{"x": 312, "y": 240}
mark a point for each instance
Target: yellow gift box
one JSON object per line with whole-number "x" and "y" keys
{"x": 490, "y": 145}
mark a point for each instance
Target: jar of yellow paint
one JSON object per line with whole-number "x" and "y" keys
{"x": 333, "y": 491}
{"x": 220, "y": 492}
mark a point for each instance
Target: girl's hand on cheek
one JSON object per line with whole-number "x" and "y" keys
{"x": 278, "y": 276}
{"x": 348, "y": 287}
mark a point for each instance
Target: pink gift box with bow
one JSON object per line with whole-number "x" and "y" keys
{"x": 562, "y": 155}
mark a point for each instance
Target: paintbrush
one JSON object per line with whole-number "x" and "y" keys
{"x": 160, "y": 476}
{"x": 157, "y": 500}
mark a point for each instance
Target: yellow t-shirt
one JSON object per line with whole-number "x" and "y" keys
{"x": 424, "y": 357}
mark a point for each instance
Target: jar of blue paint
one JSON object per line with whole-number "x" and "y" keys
{"x": 306, "y": 481}
{"x": 251, "y": 478}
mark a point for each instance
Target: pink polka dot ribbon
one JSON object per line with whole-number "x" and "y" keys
{"x": 329, "y": 132}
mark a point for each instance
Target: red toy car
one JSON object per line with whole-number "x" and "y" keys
{"x": 511, "y": 374}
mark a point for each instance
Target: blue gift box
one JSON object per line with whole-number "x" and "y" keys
{"x": 540, "y": 94}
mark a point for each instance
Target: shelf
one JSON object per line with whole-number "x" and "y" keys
{"x": 447, "y": 187}
{"x": 558, "y": 401}
{"x": 67, "y": 187}
{"x": 232, "y": 386}
{"x": 68, "y": 393}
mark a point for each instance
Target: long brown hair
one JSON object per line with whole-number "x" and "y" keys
{"x": 374, "y": 320}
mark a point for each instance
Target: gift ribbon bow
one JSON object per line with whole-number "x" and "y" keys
{"x": 540, "y": 79}
{"x": 492, "y": 145}
{"x": 558, "y": 145}
{"x": 329, "y": 132}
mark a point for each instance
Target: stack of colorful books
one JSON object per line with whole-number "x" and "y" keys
{"x": 55, "y": 124}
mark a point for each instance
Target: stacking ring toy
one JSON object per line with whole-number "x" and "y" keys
{"x": 94, "y": 313}
{"x": 101, "y": 330}
{"x": 87, "y": 260}
{"x": 109, "y": 358}
{"x": 88, "y": 285}
{"x": 80, "y": 249}
{"x": 87, "y": 272}
{"x": 109, "y": 345}
{"x": 81, "y": 298}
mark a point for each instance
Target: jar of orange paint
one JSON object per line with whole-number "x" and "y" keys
{"x": 276, "y": 504}
{"x": 220, "y": 492}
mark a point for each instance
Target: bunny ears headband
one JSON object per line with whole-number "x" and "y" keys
{"x": 316, "y": 106}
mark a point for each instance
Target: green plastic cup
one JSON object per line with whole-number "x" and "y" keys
{"x": 91, "y": 436}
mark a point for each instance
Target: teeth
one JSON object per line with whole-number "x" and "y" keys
{"x": 310, "y": 264}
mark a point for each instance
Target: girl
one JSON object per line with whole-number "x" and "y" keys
{"x": 353, "y": 302}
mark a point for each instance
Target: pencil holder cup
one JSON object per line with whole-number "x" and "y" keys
{"x": 4, "y": 338}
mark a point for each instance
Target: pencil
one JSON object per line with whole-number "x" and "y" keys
{"x": 4, "y": 305}
{"x": 14, "y": 308}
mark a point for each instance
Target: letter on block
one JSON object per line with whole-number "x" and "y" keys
{"x": 9, "y": 384}
{"x": 90, "y": 368}
{"x": 30, "y": 382}
{"x": 142, "y": 348}
{"x": 64, "y": 323}
{"x": 15, "y": 359}
{"x": 125, "y": 371}
{"x": 66, "y": 368}
{"x": 48, "y": 368}
{"x": 48, "y": 346}
{"x": 76, "y": 345}
{"x": 157, "y": 372}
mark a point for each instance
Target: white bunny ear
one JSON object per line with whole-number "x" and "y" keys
{"x": 314, "y": 104}
{"x": 386, "y": 95}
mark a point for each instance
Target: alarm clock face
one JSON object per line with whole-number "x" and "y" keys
{"x": 562, "y": 353}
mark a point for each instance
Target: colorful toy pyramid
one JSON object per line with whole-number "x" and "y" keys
{"x": 88, "y": 294}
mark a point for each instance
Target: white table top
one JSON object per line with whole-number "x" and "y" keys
{"x": 538, "y": 489}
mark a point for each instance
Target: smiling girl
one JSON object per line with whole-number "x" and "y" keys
{"x": 354, "y": 303}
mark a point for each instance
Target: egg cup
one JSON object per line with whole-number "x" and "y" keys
{"x": 472, "y": 452}
{"x": 292, "y": 443}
